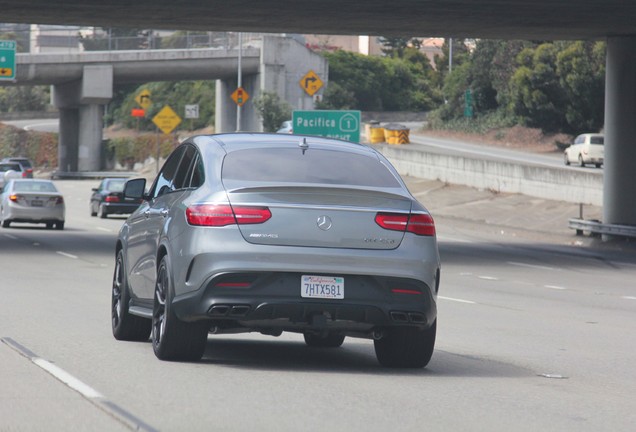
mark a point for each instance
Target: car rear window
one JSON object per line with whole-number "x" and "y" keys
{"x": 34, "y": 186}
{"x": 596, "y": 140}
{"x": 276, "y": 165}
{"x": 116, "y": 185}
{"x": 8, "y": 167}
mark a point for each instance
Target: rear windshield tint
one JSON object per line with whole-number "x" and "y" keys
{"x": 596, "y": 140}
{"x": 33, "y": 186}
{"x": 275, "y": 165}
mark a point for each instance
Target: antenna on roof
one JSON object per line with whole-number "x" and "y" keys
{"x": 303, "y": 145}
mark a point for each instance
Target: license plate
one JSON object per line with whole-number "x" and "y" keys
{"x": 323, "y": 287}
{"x": 36, "y": 203}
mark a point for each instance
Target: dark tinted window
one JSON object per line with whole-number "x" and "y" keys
{"x": 164, "y": 181}
{"x": 269, "y": 165}
{"x": 195, "y": 175}
{"x": 10, "y": 167}
{"x": 596, "y": 140}
{"x": 182, "y": 178}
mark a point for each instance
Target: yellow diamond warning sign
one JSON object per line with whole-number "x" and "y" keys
{"x": 166, "y": 119}
{"x": 311, "y": 83}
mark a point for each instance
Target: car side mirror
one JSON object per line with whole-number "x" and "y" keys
{"x": 135, "y": 188}
{"x": 94, "y": 189}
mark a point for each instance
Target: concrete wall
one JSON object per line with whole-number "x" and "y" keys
{"x": 550, "y": 183}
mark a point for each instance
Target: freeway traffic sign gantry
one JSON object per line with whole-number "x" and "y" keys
{"x": 343, "y": 125}
{"x": 7, "y": 60}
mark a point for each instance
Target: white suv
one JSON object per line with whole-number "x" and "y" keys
{"x": 587, "y": 149}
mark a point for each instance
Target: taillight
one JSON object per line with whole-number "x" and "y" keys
{"x": 222, "y": 215}
{"x": 416, "y": 223}
{"x": 112, "y": 198}
{"x": 57, "y": 200}
{"x": 25, "y": 174}
{"x": 14, "y": 198}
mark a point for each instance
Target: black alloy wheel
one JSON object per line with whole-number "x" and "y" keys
{"x": 125, "y": 325}
{"x": 173, "y": 339}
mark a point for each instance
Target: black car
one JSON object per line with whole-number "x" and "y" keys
{"x": 108, "y": 198}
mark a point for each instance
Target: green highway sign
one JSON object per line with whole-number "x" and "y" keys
{"x": 344, "y": 125}
{"x": 7, "y": 60}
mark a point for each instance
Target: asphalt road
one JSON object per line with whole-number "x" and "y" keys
{"x": 533, "y": 335}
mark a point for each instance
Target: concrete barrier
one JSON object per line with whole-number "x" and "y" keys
{"x": 561, "y": 184}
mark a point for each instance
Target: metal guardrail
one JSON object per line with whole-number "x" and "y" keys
{"x": 599, "y": 228}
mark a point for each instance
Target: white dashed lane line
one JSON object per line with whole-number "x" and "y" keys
{"x": 456, "y": 300}
{"x": 533, "y": 266}
{"x": 67, "y": 255}
{"x": 83, "y": 389}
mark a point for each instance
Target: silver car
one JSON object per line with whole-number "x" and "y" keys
{"x": 32, "y": 201}
{"x": 270, "y": 233}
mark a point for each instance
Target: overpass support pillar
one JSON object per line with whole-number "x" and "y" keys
{"x": 67, "y": 148}
{"x": 225, "y": 115}
{"x": 619, "y": 184}
{"x": 81, "y": 118}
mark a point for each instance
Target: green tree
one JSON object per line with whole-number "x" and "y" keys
{"x": 396, "y": 46}
{"x": 581, "y": 69}
{"x": 24, "y": 98}
{"x": 174, "y": 94}
{"x": 272, "y": 110}
{"x": 537, "y": 95}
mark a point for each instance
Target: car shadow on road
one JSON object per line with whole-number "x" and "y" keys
{"x": 353, "y": 357}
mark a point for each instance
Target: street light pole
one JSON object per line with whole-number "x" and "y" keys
{"x": 239, "y": 80}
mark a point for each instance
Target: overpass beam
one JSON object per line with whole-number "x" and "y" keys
{"x": 619, "y": 187}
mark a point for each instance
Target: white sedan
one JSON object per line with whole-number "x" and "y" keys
{"x": 32, "y": 201}
{"x": 587, "y": 149}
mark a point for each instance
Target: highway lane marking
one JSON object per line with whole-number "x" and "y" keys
{"x": 452, "y": 239}
{"x": 104, "y": 229}
{"x": 629, "y": 298}
{"x": 533, "y": 266}
{"x": 555, "y": 287}
{"x": 67, "y": 255}
{"x": 456, "y": 300}
{"x": 490, "y": 278}
{"x": 12, "y": 237}
{"x": 86, "y": 391}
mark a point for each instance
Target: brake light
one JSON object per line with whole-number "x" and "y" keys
{"x": 112, "y": 199}
{"x": 25, "y": 174}
{"x": 57, "y": 199}
{"x": 14, "y": 197}
{"x": 416, "y": 223}
{"x": 222, "y": 215}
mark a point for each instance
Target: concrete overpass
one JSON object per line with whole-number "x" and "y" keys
{"x": 83, "y": 84}
{"x": 503, "y": 19}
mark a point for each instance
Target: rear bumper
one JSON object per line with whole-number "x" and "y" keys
{"x": 16, "y": 213}
{"x": 273, "y": 301}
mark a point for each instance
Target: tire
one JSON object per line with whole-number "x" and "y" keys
{"x": 598, "y": 165}
{"x": 101, "y": 212}
{"x": 125, "y": 326}
{"x": 6, "y": 223}
{"x": 49, "y": 225}
{"x": 406, "y": 347}
{"x": 565, "y": 159}
{"x": 173, "y": 339}
{"x": 59, "y": 225}
{"x": 93, "y": 212}
{"x": 581, "y": 163}
{"x": 331, "y": 340}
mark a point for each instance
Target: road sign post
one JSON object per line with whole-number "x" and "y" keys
{"x": 344, "y": 125}
{"x": 7, "y": 60}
